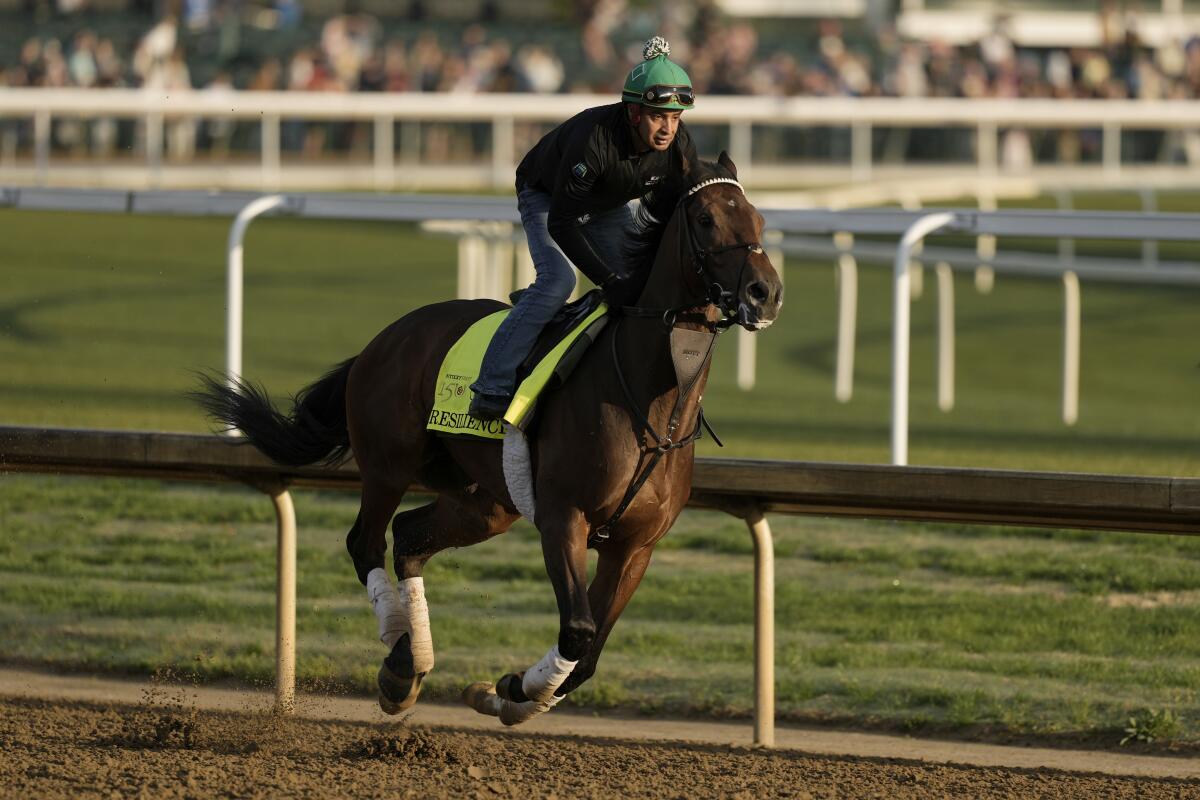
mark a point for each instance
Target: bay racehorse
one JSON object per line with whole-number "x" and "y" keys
{"x": 610, "y": 453}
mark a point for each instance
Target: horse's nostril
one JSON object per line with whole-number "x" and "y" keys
{"x": 758, "y": 292}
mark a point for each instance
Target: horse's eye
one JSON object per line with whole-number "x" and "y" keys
{"x": 705, "y": 220}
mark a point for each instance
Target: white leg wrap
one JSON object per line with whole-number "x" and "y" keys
{"x": 412, "y": 594}
{"x": 544, "y": 677}
{"x": 483, "y": 698}
{"x": 518, "y": 471}
{"x": 539, "y": 684}
{"x": 401, "y": 611}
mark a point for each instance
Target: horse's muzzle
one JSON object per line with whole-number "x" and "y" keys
{"x": 760, "y": 303}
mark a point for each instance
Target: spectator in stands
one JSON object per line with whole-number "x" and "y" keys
{"x": 155, "y": 49}
{"x": 542, "y": 69}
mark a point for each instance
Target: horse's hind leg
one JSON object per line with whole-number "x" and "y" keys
{"x": 367, "y": 544}
{"x": 455, "y": 519}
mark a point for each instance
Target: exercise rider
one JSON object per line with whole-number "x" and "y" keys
{"x": 573, "y": 192}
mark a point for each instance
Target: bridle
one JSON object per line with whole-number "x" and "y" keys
{"x": 715, "y": 294}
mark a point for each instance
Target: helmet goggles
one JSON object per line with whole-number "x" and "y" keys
{"x": 662, "y": 95}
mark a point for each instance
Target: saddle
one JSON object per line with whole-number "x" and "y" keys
{"x": 559, "y": 326}
{"x": 556, "y": 354}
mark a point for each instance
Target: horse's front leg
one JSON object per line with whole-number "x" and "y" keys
{"x": 518, "y": 697}
{"x": 618, "y": 573}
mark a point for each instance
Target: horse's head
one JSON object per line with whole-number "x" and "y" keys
{"x": 724, "y": 233}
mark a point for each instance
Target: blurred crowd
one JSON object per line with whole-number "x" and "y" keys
{"x": 352, "y": 53}
{"x": 206, "y": 45}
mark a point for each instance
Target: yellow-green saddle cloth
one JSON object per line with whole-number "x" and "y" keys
{"x": 460, "y": 368}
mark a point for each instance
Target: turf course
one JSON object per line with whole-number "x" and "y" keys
{"x": 102, "y": 319}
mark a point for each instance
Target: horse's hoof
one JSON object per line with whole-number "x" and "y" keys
{"x": 397, "y": 692}
{"x": 481, "y": 696}
{"x": 509, "y": 687}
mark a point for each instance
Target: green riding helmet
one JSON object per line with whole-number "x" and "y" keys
{"x": 659, "y": 82}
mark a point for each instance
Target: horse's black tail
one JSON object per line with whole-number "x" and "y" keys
{"x": 314, "y": 431}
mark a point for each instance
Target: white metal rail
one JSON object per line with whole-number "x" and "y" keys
{"x": 987, "y": 118}
{"x": 911, "y": 225}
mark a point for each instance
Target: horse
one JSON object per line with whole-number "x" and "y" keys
{"x": 610, "y": 452}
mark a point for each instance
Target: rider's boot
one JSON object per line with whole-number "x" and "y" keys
{"x": 489, "y": 406}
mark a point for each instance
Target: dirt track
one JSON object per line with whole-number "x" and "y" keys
{"x": 166, "y": 747}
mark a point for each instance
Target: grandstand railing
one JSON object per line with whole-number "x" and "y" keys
{"x": 745, "y": 488}
{"x": 988, "y": 118}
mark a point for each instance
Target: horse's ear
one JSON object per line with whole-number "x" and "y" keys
{"x": 725, "y": 161}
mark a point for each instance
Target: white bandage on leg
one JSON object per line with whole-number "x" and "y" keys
{"x": 544, "y": 677}
{"x": 539, "y": 684}
{"x": 412, "y": 595}
{"x": 401, "y": 611}
{"x": 389, "y": 608}
{"x": 483, "y": 698}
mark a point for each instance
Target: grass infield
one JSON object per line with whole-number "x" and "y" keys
{"x": 920, "y": 627}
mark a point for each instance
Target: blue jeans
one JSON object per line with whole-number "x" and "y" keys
{"x": 551, "y": 288}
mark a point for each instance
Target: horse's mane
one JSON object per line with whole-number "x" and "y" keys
{"x": 653, "y": 217}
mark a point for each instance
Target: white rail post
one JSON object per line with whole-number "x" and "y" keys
{"x": 466, "y": 275}
{"x": 1066, "y": 245}
{"x": 741, "y": 147}
{"x": 41, "y": 146}
{"x": 986, "y": 148}
{"x": 234, "y": 282}
{"x": 500, "y": 261}
{"x": 900, "y": 327}
{"x": 1070, "y": 406}
{"x": 502, "y": 152}
{"x": 847, "y": 284}
{"x": 285, "y": 602}
{"x": 985, "y": 248}
{"x": 945, "y": 328}
{"x": 154, "y": 147}
{"x": 860, "y": 151}
{"x": 910, "y": 201}
{"x": 271, "y": 148}
{"x": 384, "y": 146}
{"x": 764, "y": 628}
{"x": 1110, "y": 150}
{"x": 1149, "y": 246}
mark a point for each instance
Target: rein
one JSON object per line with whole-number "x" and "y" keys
{"x": 715, "y": 294}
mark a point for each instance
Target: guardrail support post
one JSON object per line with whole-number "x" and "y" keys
{"x": 285, "y": 603}
{"x": 764, "y": 628}
{"x": 900, "y": 327}
{"x": 233, "y": 283}
{"x": 847, "y": 285}
{"x": 1070, "y": 407}
{"x": 945, "y": 328}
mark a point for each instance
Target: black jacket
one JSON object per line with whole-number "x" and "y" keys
{"x": 589, "y": 164}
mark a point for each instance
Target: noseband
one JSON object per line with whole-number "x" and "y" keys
{"x": 715, "y": 293}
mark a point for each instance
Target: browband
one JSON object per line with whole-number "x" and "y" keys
{"x": 710, "y": 182}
